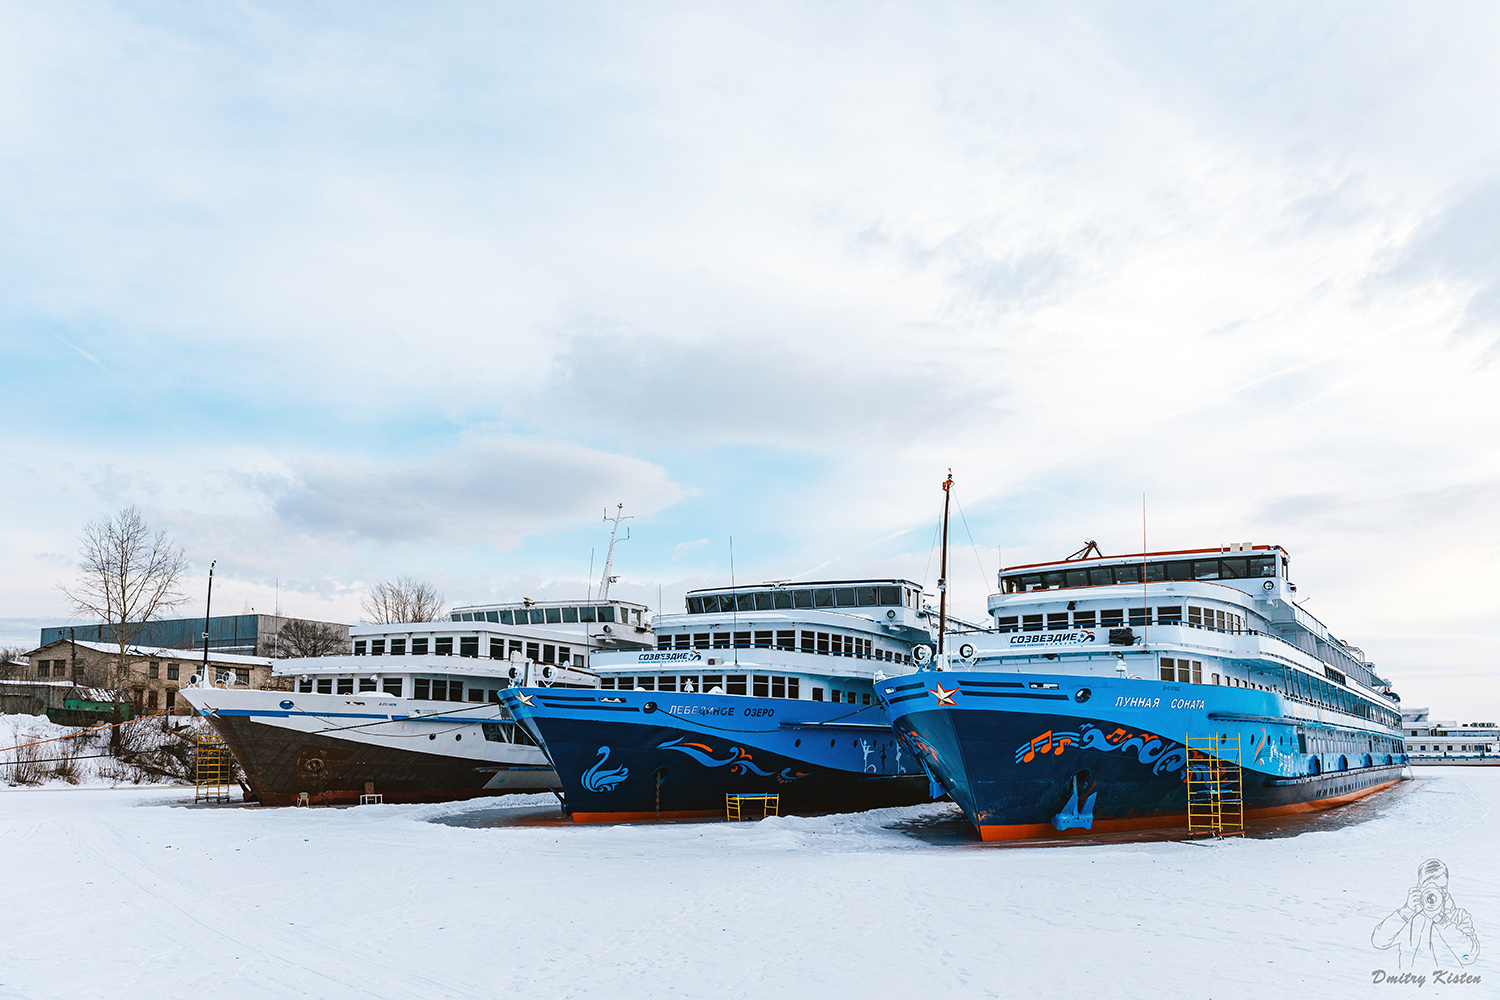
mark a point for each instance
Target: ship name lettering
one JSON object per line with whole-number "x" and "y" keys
{"x": 700, "y": 710}
{"x": 760, "y": 711}
{"x": 1126, "y": 702}
{"x": 1186, "y": 703}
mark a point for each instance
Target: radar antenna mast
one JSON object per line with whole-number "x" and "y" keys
{"x": 943, "y": 566}
{"x": 609, "y": 560}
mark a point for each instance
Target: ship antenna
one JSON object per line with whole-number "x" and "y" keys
{"x": 1145, "y": 589}
{"x": 943, "y": 566}
{"x": 609, "y": 560}
{"x": 734, "y": 606}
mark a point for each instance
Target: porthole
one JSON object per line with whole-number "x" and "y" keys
{"x": 830, "y": 744}
{"x": 797, "y": 743}
{"x": 432, "y": 736}
{"x": 458, "y": 736}
{"x": 649, "y": 707}
{"x": 1083, "y": 695}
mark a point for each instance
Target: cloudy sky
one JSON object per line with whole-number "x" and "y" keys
{"x": 336, "y": 292}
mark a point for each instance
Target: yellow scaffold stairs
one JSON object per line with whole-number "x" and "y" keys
{"x": 210, "y": 769}
{"x": 1215, "y": 786}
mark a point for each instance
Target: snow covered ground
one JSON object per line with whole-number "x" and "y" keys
{"x": 130, "y": 893}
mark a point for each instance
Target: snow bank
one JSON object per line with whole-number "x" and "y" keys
{"x": 84, "y": 757}
{"x": 382, "y": 901}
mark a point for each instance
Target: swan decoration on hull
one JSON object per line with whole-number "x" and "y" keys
{"x": 599, "y": 779}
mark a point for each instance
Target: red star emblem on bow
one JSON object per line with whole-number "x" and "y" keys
{"x": 942, "y": 694}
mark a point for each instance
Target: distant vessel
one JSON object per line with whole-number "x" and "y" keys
{"x": 761, "y": 689}
{"x": 1074, "y": 714}
{"x": 414, "y": 714}
{"x": 1430, "y": 741}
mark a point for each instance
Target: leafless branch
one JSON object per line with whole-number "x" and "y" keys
{"x": 402, "y": 600}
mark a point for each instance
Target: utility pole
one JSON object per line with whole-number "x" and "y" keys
{"x": 943, "y": 567}
{"x": 207, "y": 614}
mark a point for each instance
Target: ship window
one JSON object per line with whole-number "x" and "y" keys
{"x": 864, "y": 699}
{"x": 507, "y": 618}
{"x": 844, "y": 597}
{"x": 1031, "y": 623}
{"x": 586, "y": 614}
{"x": 666, "y": 684}
{"x": 421, "y": 689}
{"x": 1051, "y": 581}
{"x": 1030, "y": 583}
{"x": 890, "y": 597}
{"x": 836, "y": 644}
{"x": 1007, "y": 623}
{"x": 817, "y": 694}
{"x": 701, "y": 640}
{"x": 1168, "y": 669}
{"x": 445, "y": 646}
{"x": 802, "y": 598}
{"x": 1263, "y": 566}
{"x": 744, "y": 602}
{"x": 1077, "y": 577}
{"x": 419, "y": 647}
{"x": 645, "y": 683}
{"x": 1216, "y": 680}
{"x": 786, "y": 640}
{"x": 742, "y": 640}
{"x": 533, "y": 651}
{"x": 468, "y": 645}
{"x": 763, "y": 640}
{"x": 1233, "y": 569}
{"x": 497, "y": 649}
{"x": 554, "y": 616}
{"x": 1169, "y": 615}
{"x": 865, "y": 597}
{"x": 359, "y": 647}
{"x": 823, "y": 642}
{"x": 549, "y": 654}
{"x": 1205, "y": 569}
{"x": 398, "y": 647}
{"x": 392, "y": 686}
{"x": 1128, "y": 574}
{"x": 809, "y": 642}
{"x": 1111, "y": 618}
{"x": 304, "y": 686}
{"x": 1185, "y": 671}
{"x": 1101, "y": 577}
{"x": 763, "y": 601}
{"x": 607, "y": 683}
{"x": 1137, "y": 616}
{"x": 1169, "y": 571}
{"x": 1083, "y": 619}
{"x": 325, "y": 685}
{"x": 778, "y": 687}
{"x": 721, "y": 640}
{"x": 377, "y": 647}
{"x": 570, "y": 614}
{"x": 734, "y": 684}
{"x": 695, "y": 605}
{"x": 782, "y": 599}
{"x": 683, "y": 640}
{"x": 346, "y": 685}
{"x": 793, "y": 688}
{"x": 606, "y": 613}
{"x": 1195, "y": 616}
{"x": 834, "y": 695}
{"x": 1058, "y": 620}
{"x": 366, "y": 684}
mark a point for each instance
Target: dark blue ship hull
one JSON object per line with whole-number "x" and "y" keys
{"x": 630, "y": 755}
{"x": 1030, "y": 755}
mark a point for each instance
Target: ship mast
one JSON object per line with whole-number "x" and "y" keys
{"x": 943, "y": 566}
{"x": 609, "y": 560}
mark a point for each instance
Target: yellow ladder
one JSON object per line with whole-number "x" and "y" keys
{"x": 210, "y": 769}
{"x": 1215, "y": 786}
{"x": 769, "y": 801}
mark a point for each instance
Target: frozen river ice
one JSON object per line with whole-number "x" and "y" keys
{"x": 129, "y": 893}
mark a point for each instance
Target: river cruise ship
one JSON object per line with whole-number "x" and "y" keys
{"x": 1079, "y": 709}
{"x": 765, "y": 689}
{"x": 414, "y": 713}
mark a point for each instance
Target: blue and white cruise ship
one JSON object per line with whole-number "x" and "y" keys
{"x": 1076, "y": 711}
{"x": 764, "y": 689}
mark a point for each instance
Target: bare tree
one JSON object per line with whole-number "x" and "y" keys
{"x": 402, "y": 600}
{"x": 11, "y": 662}
{"x": 297, "y": 637}
{"x": 128, "y": 578}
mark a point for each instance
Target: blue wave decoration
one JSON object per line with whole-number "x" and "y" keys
{"x": 1162, "y": 754}
{"x": 597, "y": 779}
{"x": 736, "y": 759}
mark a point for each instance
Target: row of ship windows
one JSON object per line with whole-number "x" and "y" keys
{"x": 1236, "y": 568}
{"x": 1210, "y": 618}
{"x": 544, "y": 616}
{"x": 539, "y": 652}
{"x": 423, "y": 688}
{"x": 755, "y": 685}
{"x": 1295, "y": 684}
{"x": 813, "y": 597}
{"x": 1191, "y": 672}
{"x": 1461, "y": 748}
{"x": 827, "y": 643}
